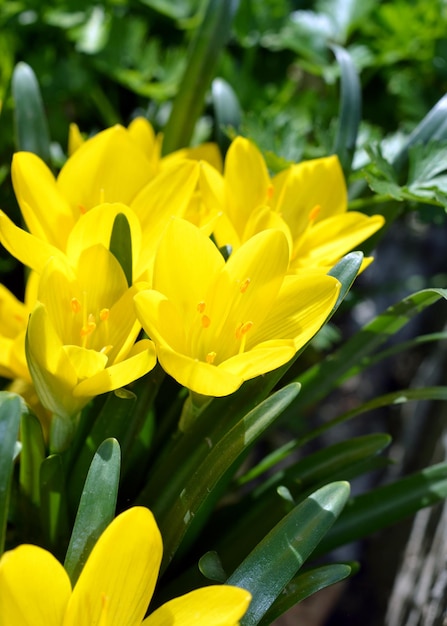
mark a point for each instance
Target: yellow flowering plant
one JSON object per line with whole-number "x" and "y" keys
{"x": 178, "y": 321}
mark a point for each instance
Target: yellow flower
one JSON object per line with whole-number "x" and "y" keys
{"x": 109, "y": 167}
{"x": 13, "y": 321}
{"x": 216, "y": 324}
{"x": 114, "y": 588}
{"x": 81, "y": 333}
{"x": 168, "y": 194}
{"x": 308, "y": 201}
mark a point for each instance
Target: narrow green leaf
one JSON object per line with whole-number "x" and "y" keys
{"x": 96, "y": 507}
{"x": 113, "y": 421}
{"x": 227, "y": 112}
{"x": 53, "y": 503}
{"x": 30, "y": 120}
{"x": 323, "y": 464}
{"x": 10, "y": 413}
{"x": 350, "y": 108}
{"x": 204, "y": 53}
{"x": 320, "y": 379}
{"x": 346, "y": 271}
{"x": 305, "y": 585}
{"x": 396, "y": 397}
{"x": 258, "y": 513}
{"x": 189, "y": 488}
{"x": 432, "y": 126}
{"x": 274, "y": 562}
{"x": 387, "y": 505}
{"x": 121, "y": 245}
{"x": 32, "y": 456}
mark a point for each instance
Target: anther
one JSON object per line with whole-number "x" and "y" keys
{"x": 89, "y": 327}
{"x": 201, "y": 306}
{"x": 75, "y": 305}
{"x": 270, "y": 192}
{"x": 82, "y": 209}
{"x": 104, "y": 314}
{"x": 313, "y": 214}
{"x": 244, "y": 285}
{"x": 210, "y": 357}
{"x": 205, "y": 321}
{"x": 243, "y": 329}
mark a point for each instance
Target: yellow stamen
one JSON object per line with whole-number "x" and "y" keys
{"x": 244, "y": 285}
{"x": 82, "y": 209}
{"x": 205, "y": 321}
{"x": 75, "y": 305}
{"x": 270, "y": 191}
{"x": 201, "y": 306}
{"x": 104, "y": 314}
{"x": 106, "y": 349}
{"x": 243, "y": 329}
{"x": 89, "y": 327}
{"x": 210, "y": 357}
{"x": 314, "y": 213}
{"x": 241, "y": 333}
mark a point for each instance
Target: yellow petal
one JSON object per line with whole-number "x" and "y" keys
{"x": 247, "y": 180}
{"x": 317, "y": 185}
{"x": 34, "y": 588}
{"x": 208, "y": 152}
{"x": 46, "y": 212}
{"x": 199, "y": 376}
{"x": 96, "y": 227}
{"x": 75, "y": 138}
{"x": 29, "y": 250}
{"x": 53, "y": 375}
{"x": 139, "y": 362}
{"x": 121, "y": 570}
{"x": 329, "y": 240}
{"x": 109, "y": 167}
{"x": 259, "y": 360}
{"x": 216, "y": 605}
{"x": 161, "y": 320}
{"x": 302, "y": 306}
{"x": 86, "y": 363}
{"x": 186, "y": 266}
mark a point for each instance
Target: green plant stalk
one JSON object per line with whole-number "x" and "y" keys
{"x": 206, "y": 46}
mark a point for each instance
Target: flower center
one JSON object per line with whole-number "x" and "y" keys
{"x": 89, "y": 323}
{"x": 223, "y": 327}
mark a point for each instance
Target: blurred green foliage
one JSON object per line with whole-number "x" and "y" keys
{"x": 99, "y": 63}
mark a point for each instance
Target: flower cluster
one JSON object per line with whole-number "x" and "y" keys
{"x": 212, "y": 323}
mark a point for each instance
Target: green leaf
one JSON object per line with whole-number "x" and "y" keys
{"x": 30, "y": 120}
{"x": 96, "y": 507}
{"x": 227, "y": 112}
{"x": 387, "y": 505}
{"x": 274, "y": 562}
{"x": 113, "y": 421}
{"x": 53, "y": 503}
{"x": 433, "y": 126}
{"x": 350, "y": 108}
{"x": 211, "y": 567}
{"x": 346, "y": 271}
{"x": 10, "y": 413}
{"x": 320, "y": 379}
{"x": 204, "y": 53}
{"x": 121, "y": 245}
{"x": 190, "y": 484}
{"x": 31, "y": 457}
{"x": 305, "y": 585}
